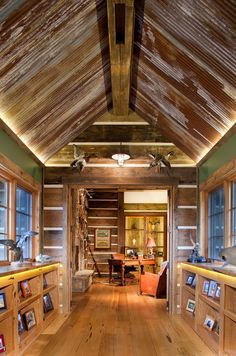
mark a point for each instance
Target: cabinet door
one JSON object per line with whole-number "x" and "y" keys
{"x": 134, "y": 234}
{"x": 156, "y": 229}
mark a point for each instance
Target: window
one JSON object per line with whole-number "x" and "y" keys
{"x": 4, "y": 210}
{"x": 215, "y": 222}
{"x": 24, "y": 218}
{"x": 233, "y": 212}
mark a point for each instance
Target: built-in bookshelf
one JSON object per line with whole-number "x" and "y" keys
{"x": 208, "y": 305}
{"x": 23, "y": 315}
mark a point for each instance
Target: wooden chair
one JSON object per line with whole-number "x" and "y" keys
{"x": 154, "y": 284}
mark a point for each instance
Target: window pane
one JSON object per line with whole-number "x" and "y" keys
{"x": 233, "y": 213}
{"x": 24, "y": 218}
{"x": 3, "y": 220}
{"x": 3, "y": 249}
{"x": 215, "y": 222}
{"x": 3, "y": 192}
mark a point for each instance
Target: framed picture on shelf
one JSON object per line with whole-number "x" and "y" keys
{"x": 102, "y": 239}
{"x": 217, "y": 328}
{"x": 212, "y": 289}
{"x": 30, "y": 320}
{"x": 47, "y": 303}
{"x": 193, "y": 285}
{"x": 20, "y": 324}
{"x": 217, "y": 293}
{"x": 3, "y": 304}
{"x": 189, "y": 280}
{"x": 2, "y": 344}
{"x": 190, "y": 305}
{"x": 45, "y": 284}
{"x": 25, "y": 288}
{"x": 205, "y": 287}
{"x": 209, "y": 322}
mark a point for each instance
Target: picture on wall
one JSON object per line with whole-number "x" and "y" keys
{"x": 102, "y": 239}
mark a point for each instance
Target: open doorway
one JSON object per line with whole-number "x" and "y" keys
{"x": 128, "y": 218}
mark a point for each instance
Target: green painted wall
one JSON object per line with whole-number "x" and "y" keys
{"x": 223, "y": 155}
{"x": 10, "y": 149}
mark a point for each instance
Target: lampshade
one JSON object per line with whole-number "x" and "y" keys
{"x": 120, "y": 158}
{"x": 150, "y": 242}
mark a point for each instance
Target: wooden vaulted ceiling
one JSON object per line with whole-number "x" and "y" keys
{"x": 55, "y": 75}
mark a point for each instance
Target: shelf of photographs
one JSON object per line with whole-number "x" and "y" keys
{"x": 189, "y": 282}
{"x": 29, "y": 323}
{"x": 28, "y": 291}
{"x": 50, "y": 306}
{"x": 210, "y": 292}
{"x": 6, "y": 306}
{"x": 208, "y": 324}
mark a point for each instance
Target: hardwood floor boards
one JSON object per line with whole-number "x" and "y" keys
{"x": 116, "y": 321}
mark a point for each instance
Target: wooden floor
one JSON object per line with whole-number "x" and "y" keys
{"x": 114, "y": 320}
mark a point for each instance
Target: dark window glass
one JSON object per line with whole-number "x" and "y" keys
{"x": 24, "y": 218}
{"x": 215, "y": 222}
{"x": 3, "y": 217}
{"x": 233, "y": 213}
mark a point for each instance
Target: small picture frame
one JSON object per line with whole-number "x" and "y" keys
{"x": 217, "y": 292}
{"x": 190, "y": 305}
{"x": 212, "y": 289}
{"x": 189, "y": 279}
{"x": 193, "y": 285}
{"x": 45, "y": 284}
{"x": 20, "y": 324}
{"x": 30, "y": 320}
{"x": 209, "y": 322}
{"x": 217, "y": 328}
{"x": 205, "y": 287}
{"x": 102, "y": 239}
{"x": 47, "y": 303}
{"x": 25, "y": 288}
{"x": 3, "y": 304}
{"x": 2, "y": 344}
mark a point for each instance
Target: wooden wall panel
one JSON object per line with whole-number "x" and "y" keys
{"x": 53, "y": 218}
{"x": 53, "y": 197}
{"x": 53, "y": 238}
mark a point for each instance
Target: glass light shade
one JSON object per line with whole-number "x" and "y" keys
{"x": 150, "y": 242}
{"x": 120, "y": 158}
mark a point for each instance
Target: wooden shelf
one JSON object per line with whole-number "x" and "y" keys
{"x": 222, "y": 311}
{"x": 16, "y": 344}
{"x": 211, "y": 302}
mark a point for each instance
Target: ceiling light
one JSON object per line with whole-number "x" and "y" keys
{"x": 120, "y": 158}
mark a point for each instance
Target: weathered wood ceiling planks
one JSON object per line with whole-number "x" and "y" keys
{"x": 55, "y": 76}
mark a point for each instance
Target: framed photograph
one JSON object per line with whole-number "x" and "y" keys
{"x": 194, "y": 282}
{"x": 45, "y": 284}
{"x": 190, "y": 279}
{"x": 30, "y": 320}
{"x": 3, "y": 304}
{"x": 102, "y": 239}
{"x": 47, "y": 303}
{"x": 217, "y": 293}
{"x": 20, "y": 324}
{"x": 205, "y": 287}
{"x": 190, "y": 305}
{"x": 2, "y": 344}
{"x": 25, "y": 288}
{"x": 209, "y": 322}
{"x": 212, "y": 289}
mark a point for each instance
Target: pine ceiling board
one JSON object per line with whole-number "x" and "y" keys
{"x": 206, "y": 28}
{"x": 179, "y": 92}
{"x": 55, "y": 71}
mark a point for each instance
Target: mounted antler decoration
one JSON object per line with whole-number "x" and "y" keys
{"x": 79, "y": 160}
{"x": 160, "y": 159}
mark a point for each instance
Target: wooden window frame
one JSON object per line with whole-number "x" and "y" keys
{"x": 14, "y": 179}
{"x": 222, "y": 177}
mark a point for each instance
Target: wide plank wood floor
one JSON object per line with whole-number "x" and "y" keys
{"x": 116, "y": 321}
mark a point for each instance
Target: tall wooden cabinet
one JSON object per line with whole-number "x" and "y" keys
{"x": 138, "y": 228}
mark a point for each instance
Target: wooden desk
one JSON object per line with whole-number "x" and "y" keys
{"x": 129, "y": 262}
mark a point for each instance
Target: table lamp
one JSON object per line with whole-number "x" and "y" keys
{"x": 150, "y": 244}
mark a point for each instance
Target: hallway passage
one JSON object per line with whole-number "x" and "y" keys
{"x": 116, "y": 321}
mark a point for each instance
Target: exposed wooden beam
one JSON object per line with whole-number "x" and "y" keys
{"x": 120, "y": 28}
